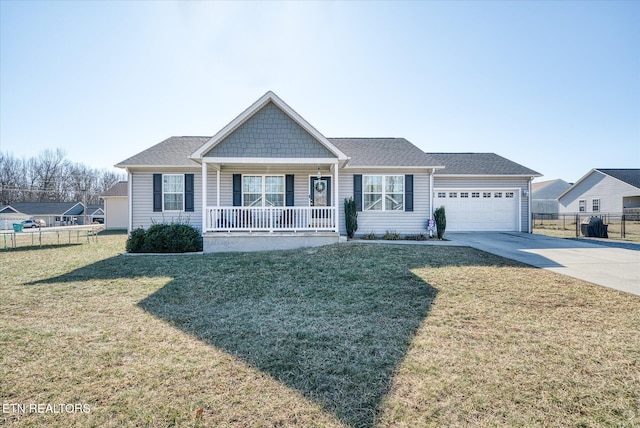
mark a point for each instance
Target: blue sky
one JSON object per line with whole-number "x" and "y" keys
{"x": 554, "y": 86}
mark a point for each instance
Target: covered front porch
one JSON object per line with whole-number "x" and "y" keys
{"x": 269, "y": 205}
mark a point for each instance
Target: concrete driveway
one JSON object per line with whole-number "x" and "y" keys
{"x": 603, "y": 264}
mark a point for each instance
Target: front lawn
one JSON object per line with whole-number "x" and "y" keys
{"x": 344, "y": 335}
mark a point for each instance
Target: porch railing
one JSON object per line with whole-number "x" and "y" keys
{"x": 228, "y": 219}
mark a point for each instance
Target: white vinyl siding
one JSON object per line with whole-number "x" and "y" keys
{"x": 379, "y": 222}
{"x": 116, "y": 212}
{"x": 498, "y": 186}
{"x": 142, "y": 199}
{"x": 610, "y": 192}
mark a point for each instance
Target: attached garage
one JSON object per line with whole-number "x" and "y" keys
{"x": 480, "y": 209}
{"x": 483, "y": 192}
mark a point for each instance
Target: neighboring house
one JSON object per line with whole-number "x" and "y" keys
{"x": 116, "y": 206}
{"x": 53, "y": 213}
{"x": 603, "y": 190}
{"x": 9, "y": 216}
{"x": 483, "y": 192}
{"x": 269, "y": 179}
{"x": 95, "y": 214}
{"x": 545, "y": 197}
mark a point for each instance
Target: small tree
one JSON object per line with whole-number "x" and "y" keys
{"x": 441, "y": 221}
{"x": 350, "y": 216}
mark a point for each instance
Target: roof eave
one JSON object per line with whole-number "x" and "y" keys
{"x": 392, "y": 167}
{"x": 491, "y": 175}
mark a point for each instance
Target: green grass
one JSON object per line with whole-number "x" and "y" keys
{"x": 344, "y": 335}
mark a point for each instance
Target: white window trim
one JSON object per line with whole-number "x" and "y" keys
{"x": 173, "y": 193}
{"x": 264, "y": 187}
{"x": 593, "y": 205}
{"x": 384, "y": 193}
{"x": 582, "y": 203}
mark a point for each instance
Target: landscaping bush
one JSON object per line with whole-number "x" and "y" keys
{"x": 350, "y": 216}
{"x": 165, "y": 238}
{"x": 135, "y": 242}
{"x": 441, "y": 221}
{"x": 391, "y": 235}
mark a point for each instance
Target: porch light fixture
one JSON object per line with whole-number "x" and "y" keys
{"x": 319, "y": 175}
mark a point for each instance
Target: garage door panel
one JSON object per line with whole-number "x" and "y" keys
{"x": 484, "y": 212}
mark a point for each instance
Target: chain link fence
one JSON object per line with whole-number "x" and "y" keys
{"x": 620, "y": 225}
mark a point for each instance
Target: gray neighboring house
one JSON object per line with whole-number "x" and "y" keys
{"x": 53, "y": 213}
{"x": 483, "y": 192}
{"x": 9, "y": 216}
{"x": 270, "y": 180}
{"x": 545, "y": 197}
{"x": 603, "y": 190}
{"x": 116, "y": 206}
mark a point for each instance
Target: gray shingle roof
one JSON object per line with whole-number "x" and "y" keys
{"x": 549, "y": 189}
{"x": 173, "y": 151}
{"x": 121, "y": 188}
{"x": 629, "y": 175}
{"x": 479, "y": 164}
{"x": 42, "y": 208}
{"x": 383, "y": 152}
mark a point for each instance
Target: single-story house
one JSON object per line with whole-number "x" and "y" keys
{"x": 95, "y": 214}
{"x": 116, "y": 206}
{"x": 483, "y": 192}
{"x": 544, "y": 200}
{"x": 53, "y": 213}
{"x": 269, "y": 179}
{"x": 603, "y": 190}
{"x": 9, "y": 216}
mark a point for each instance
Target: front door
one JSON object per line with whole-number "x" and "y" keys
{"x": 320, "y": 192}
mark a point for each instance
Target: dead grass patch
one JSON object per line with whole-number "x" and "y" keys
{"x": 356, "y": 335}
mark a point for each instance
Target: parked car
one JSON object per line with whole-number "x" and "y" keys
{"x": 27, "y": 224}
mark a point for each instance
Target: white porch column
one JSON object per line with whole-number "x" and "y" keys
{"x": 218, "y": 185}
{"x": 336, "y": 198}
{"x": 129, "y": 199}
{"x": 204, "y": 196}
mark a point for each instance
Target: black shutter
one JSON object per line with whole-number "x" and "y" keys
{"x": 188, "y": 193}
{"x": 408, "y": 192}
{"x": 237, "y": 190}
{"x": 288, "y": 184}
{"x": 157, "y": 192}
{"x": 357, "y": 191}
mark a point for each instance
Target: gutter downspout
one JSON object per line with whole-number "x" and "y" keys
{"x": 529, "y": 209}
{"x": 433, "y": 170}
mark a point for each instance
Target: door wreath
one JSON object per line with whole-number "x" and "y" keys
{"x": 320, "y": 186}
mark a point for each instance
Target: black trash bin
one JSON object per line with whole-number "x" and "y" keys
{"x": 595, "y": 228}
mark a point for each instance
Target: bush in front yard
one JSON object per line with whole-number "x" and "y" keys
{"x": 135, "y": 241}
{"x": 441, "y": 221}
{"x": 165, "y": 238}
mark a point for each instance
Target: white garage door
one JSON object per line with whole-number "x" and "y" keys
{"x": 479, "y": 210}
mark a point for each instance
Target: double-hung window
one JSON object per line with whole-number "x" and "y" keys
{"x": 263, "y": 190}
{"x": 173, "y": 192}
{"x": 383, "y": 192}
{"x": 582, "y": 205}
{"x": 595, "y": 205}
